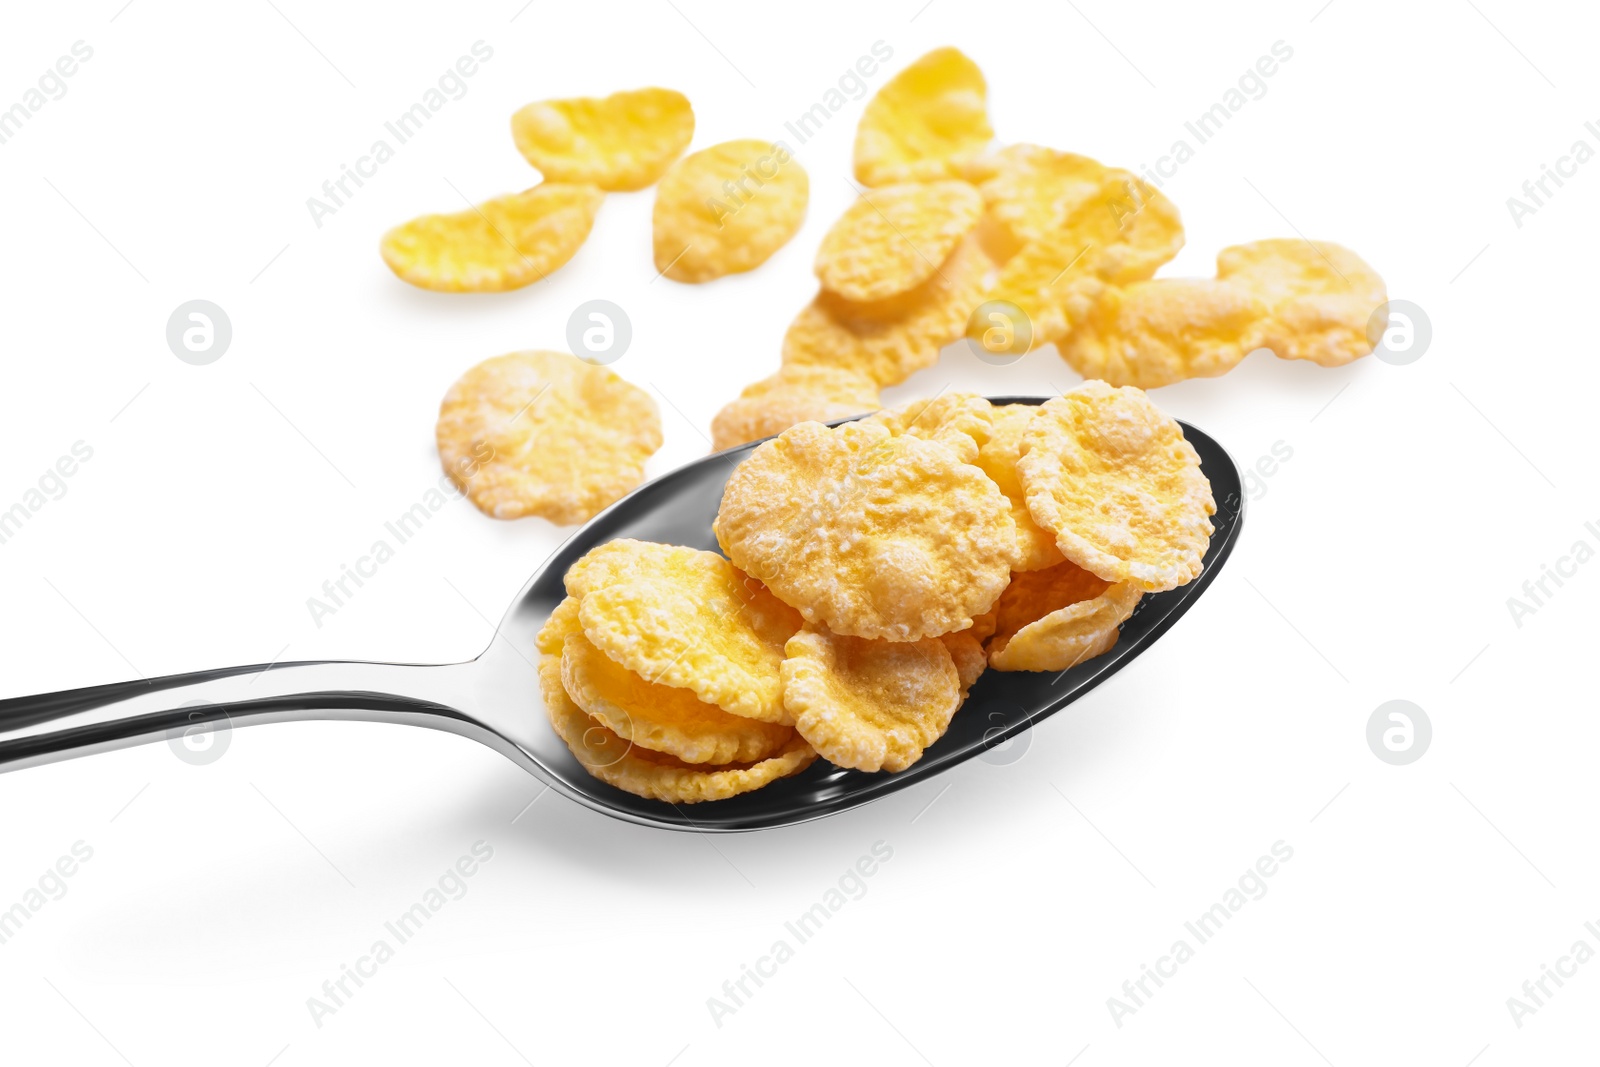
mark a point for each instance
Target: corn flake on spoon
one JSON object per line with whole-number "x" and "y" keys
{"x": 495, "y": 698}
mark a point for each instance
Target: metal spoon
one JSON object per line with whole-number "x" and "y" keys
{"x": 495, "y": 698}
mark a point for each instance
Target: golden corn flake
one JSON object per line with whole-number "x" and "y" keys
{"x": 726, "y": 209}
{"x": 868, "y": 533}
{"x": 1157, "y": 332}
{"x": 690, "y": 619}
{"x": 620, "y": 559}
{"x": 1033, "y": 595}
{"x": 998, "y": 459}
{"x": 562, "y": 624}
{"x": 889, "y": 340}
{"x": 620, "y": 143}
{"x": 925, "y": 123}
{"x": 966, "y": 651}
{"x": 627, "y": 764}
{"x": 501, "y": 244}
{"x": 562, "y": 711}
{"x": 1115, "y": 481}
{"x": 1051, "y": 283}
{"x": 869, "y": 705}
{"x": 1131, "y": 226}
{"x": 959, "y": 421}
{"x": 660, "y": 717}
{"x": 656, "y": 775}
{"x": 1031, "y": 191}
{"x": 1068, "y": 635}
{"x": 544, "y": 433}
{"x": 893, "y": 239}
{"x": 1121, "y": 234}
{"x": 797, "y": 393}
{"x": 1321, "y": 297}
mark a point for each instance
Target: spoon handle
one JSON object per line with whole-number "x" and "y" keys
{"x": 184, "y": 707}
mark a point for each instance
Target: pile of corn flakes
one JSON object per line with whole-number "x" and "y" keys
{"x": 873, "y": 571}
{"x": 950, "y": 237}
{"x": 1022, "y": 246}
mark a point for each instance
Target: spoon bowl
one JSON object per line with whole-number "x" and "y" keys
{"x": 495, "y": 698}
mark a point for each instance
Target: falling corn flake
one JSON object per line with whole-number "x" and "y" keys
{"x": 501, "y": 244}
{"x": 1030, "y": 191}
{"x": 894, "y": 238}
{"x": 797, "y": 393}
{"x": 544, "y": 433}
{"x": 925, "y": 123}
{"x": 1320, "y": 297}
{"x": 1154, "y": 333}
{"x": 1121, "y": 234}
{"x": 727, "y": 209}
{"x": 620, "y": 143}
{"x": 889, "y": 340}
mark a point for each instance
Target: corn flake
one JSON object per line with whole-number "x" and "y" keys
{"x": 925, "y": 123}
{"x": 960, "y": 421}
{"x": 1067, "y": 626}
{"x": 621, "y": 559}
{"x": 620, "y": 143}
{"x": 889, "y": 340}
{"x": 660, "y": 717}
{"x": 966, "y": 651}
{"x": 797, "y": 393}
{"x": 1030, "y": 191}
{"x": 1121, "y": 234}
{"x": 998, "y": 459}
{"x": 562, "y": 624}
{"x": 866, "y": 704}
{"x": 1320, "y": 296}
{"x": 1157, "y": 332}
{"x": 1115, "y": 481}
{"x": 868, "y": 533}
{"x": 544, "y": 433}
{"x": 690, "y": 619}
{"x": 501, "y": 244}
{"x": 894, "y": 238}
{"x": 727, "y": 209}
{"x": 656, "y": 775}
{"x": 1034, "y": 594}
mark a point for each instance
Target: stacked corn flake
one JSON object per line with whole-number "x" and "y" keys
{"x": 874, "y": 570}
{"x": 661, "y": 671}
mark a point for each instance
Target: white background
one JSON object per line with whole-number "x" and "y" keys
{"x": 1375, "y": 564}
